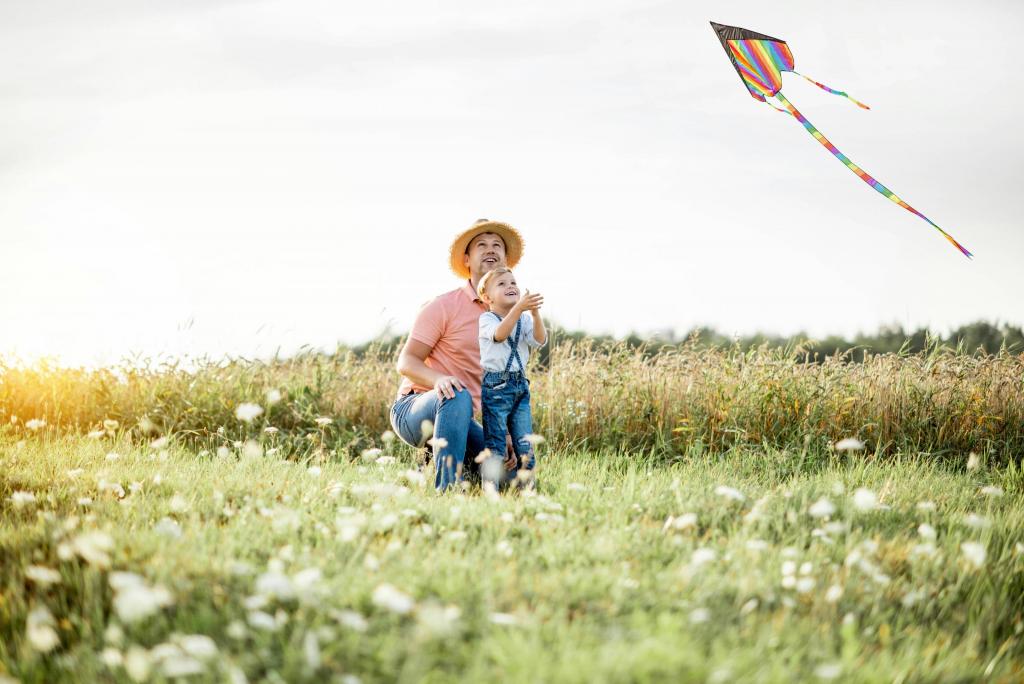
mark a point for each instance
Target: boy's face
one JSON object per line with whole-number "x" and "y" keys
{"x": 502, "y": 290}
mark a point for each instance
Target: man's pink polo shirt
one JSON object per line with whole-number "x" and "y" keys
{"x": 450, "y": 326}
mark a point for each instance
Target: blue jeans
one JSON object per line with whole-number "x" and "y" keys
{"x": 506, "y": 406}
{"x": 453, "y": 422}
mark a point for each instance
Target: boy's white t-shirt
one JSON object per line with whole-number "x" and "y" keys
{"x": 494, "y": 355}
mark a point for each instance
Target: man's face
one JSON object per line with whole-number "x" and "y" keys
{"x": 485, "y": 252}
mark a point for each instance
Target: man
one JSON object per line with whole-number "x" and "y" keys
{"x": 440, "y": 362}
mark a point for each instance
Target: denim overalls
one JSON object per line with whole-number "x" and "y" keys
{"x": 505, "y": 397}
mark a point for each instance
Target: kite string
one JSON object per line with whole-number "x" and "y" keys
{"x": 833, "y": 91}
{"x": 863, "y": 175}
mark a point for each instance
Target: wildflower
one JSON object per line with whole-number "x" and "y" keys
{"x": 534, "y": 440}
{"x": 159, "y": 443}
{"x": 849, "y": 444}
{"x": 805, "y": 584}
{"x": 351, "y": 619}
{"x": 749, "y": 607}
{"x": 992, "y": 490}
{"x": 504, "y": 548}
{"x": 864, "y": 499}
{"x": 35, "y": 424}
{"x": 828, "y": 671}
{"x": 390, "y": 598}
{"x": 729, "y": 493}
{"x": 20, "y": 498}
{"x": 576, "y": 487}
{"x": 270, "y": 430}
{"x": 75, "y": 472}
{"x": 168, "y": 528}
{"x": 137, "y": 663}
{"x": 134, "y": 599}
{"x": 323, "y": 421}
{"x": 756, "y": 545}
{"x": 110, "y": 425}
{"x": 788, "y": 568}
{"x": 42, "y": 576}
{"x": 699, "y": 616}
{"x": 973, "y": 462}
{"x": 926, "y": 550}
{"x": 926, "y": 505}
{"x": 252, "y": 449}
{"x": 198, "y": 646}
{"x": 385, "y": 460}
{"x": 39, "y": 631}
{"x": 262, "y": 621}
{"x": 248, "y": 412}
{"x": 702, "y": 556}
{"x": 112, "y": 456}
{"x": 492, "y": 470}
{"x": 314, "y": 471}
{"x": 146, "y": 425}
{"x": 413, "y": 477}
{"x": 926, "y": 531}
{"x": 111, "y": 657}
{"x": 974, "y": 553}
{"x": 822, "y": 508}
{"x": 434, "y": 620}
{"x": 180, "y": 665}
{"x": 975, "y": 521}
{"x": 834, "y": 593}
{"x": 437, "y": 443}
{"x": 504, "y": 619}
{"x": 273, "y": 396}
{"x": 371, "y": 453}
{"x": 178, "y": 503}
{"x": 93, "y": 548}
{"x": 683, "y": 522}
{"x": 96, "y": 434}
{"x": 223, "y": 452}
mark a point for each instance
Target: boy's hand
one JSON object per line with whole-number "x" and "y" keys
{"x": 530, "y": 301}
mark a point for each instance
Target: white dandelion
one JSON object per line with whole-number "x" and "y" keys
{"x": 20, "y": 498}
{"x": 42, "y": 576}
{"x": 728, "y": 492}
{"x": 247, "y": 412}
{"x": 822, "y": 508}
{"x": 864, "y": 499}
{"x": 849, "y": 444}
{"x": 833, "y": 593}
{"x": 973, "y": 461}
{"x": 391, "y": 598}
{"x": 974, "y": 553}
{"x": 273, "y": 396}
{"x": 992, "y": 490}
{"x": 504, "y": 619}
{"x": 35, "y": 424}
{"x": 926, "y": 531}
{"x": 323, "y": 421}
{"x": 39, "y": 630}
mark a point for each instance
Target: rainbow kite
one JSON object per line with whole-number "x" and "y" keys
{"x": 760, "y": 61}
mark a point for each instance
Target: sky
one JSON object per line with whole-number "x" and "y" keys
{"x": 210, "y": 178}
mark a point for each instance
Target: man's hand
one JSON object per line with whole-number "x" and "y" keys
{"x": 448, "y": 385}
{"x": 530, "y": 301}
{"x": 511, "y": 460}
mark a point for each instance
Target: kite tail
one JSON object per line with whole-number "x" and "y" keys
{"x": 834, "y": 92}
{"x": 860, "y": 172}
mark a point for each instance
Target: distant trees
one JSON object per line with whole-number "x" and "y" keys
{"x": 978, "y": 337}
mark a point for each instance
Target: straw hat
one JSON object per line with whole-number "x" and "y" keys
{"x": 513, "y": 244}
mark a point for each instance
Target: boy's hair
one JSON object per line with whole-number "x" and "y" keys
{"x": 481, "y": 287}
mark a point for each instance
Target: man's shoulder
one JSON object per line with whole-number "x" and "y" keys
{"x": 443, "y": 299}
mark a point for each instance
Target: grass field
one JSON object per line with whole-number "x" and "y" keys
{"x": 749, "y": 566}
{"x": 695, "y": 522}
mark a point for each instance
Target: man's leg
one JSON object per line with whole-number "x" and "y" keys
{"x": 453, "y": 423}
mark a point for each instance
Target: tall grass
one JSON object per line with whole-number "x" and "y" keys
{"x": 588, "y": 396}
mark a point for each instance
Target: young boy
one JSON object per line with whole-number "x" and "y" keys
{"x": 507, "y": 333}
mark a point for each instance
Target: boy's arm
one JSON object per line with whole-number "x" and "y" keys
{"x": 540, "y": 335}
{"x": 508, "y": 323}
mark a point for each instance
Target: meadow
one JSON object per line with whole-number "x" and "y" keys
{"x": 703, "y": 515}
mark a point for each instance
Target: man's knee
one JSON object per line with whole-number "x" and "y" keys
{"x": 462, "y": 402}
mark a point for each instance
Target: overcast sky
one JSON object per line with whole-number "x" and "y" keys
{"x": 201, "y": 177}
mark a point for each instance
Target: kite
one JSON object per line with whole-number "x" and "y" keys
{"x": 760, "y": 61}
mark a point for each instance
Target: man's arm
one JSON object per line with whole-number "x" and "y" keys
{"x": 411, "y": 365}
